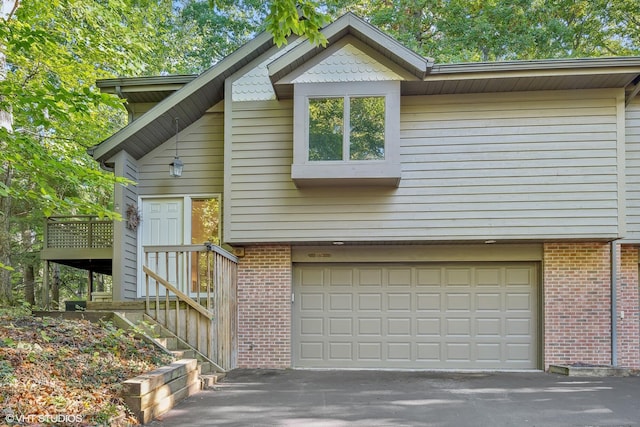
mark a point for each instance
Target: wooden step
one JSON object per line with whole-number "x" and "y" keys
{"x": 210, "y": 380}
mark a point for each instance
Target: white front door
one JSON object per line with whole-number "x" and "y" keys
{"x": 163, "y": 224}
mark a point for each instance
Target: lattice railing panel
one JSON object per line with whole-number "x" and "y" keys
{"x": 78, "y": 233}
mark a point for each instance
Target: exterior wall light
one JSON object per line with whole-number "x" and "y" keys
{"x": 175, "y": 168}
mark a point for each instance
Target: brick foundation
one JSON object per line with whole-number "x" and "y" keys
{"x": 264, "y": 307}
{"x": 577, "y": 303}
{"x": 628, "y": 294}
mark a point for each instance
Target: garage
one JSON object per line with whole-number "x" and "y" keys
{"x": 415, "y": 316}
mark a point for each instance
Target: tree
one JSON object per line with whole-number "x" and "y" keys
{"x": 491, "y": 30}
{"x": 54, "y": 52}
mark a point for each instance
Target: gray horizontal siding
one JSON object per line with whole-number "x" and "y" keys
{"x": 505, "y": 166}
{"x": 130, "y": 238}
{"x": 201, "y": 148}
{"x": 633, "y": 171}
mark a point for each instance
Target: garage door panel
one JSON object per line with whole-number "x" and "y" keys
{"x": 517, "y": 327}
{"x": 340, "y": 351}
{"x": 312, "y": 326}
{"x": 370, "y": 277}
{"x": 428, "y": 302}
{"x": 489, "y": 327}
{"x": 491, "y": 277}
{"x": 312, "y": 301}
{"x": 399, "y": 327}
{"x": 429, "y": 277}
{"x": 370, "y": 326}
{"x": 458, "y": 327}
{"x": 370, "y": 351}
{"x": 399, "y": 302}
{"x": 480, "y": 316}
{"x": 400, "y": 277}
{"x": 518, "y": 302}
{"x": 458, "y": 352}
{"x": 489, "y": 352}
{"x": 458, "y": 277}
{"x": 458, "y": 302}
{"x": 312, "y": 351}
{"x": 340, "y": 327}
{"x": 341, "y": 302}
{"x": 341, "y": 277}
{"x": 428, "y": 326}
{"x": 488, "y": 301}
{"x": 399, "y": 352}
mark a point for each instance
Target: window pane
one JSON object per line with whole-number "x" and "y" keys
{"x": 366, "y": 139}
{"x": 326, "y": 125}
{"x": 205, "y": 214}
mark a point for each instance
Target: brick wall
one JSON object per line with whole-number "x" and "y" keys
{"x": 264, "y": 307}
{"x": 577, "y": 297}
{"x": 628, "y": 294}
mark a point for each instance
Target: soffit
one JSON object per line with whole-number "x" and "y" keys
{"x": 144, "y": 89}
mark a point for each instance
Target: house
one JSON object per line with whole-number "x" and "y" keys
{"x": 386, "y": 211}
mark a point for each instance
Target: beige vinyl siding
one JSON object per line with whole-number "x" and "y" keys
{"x": 492, "y": 166}
{"x": 124, "y": 262}
{"x": 633, "y": 171}
{"x": 201, "y": 148}
{"x": 130, "y": 237}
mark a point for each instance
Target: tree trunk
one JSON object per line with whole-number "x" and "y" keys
{"x": 6, "y": 289}
{"x": 29, "y": 284}
{"x": 55, "y": 287}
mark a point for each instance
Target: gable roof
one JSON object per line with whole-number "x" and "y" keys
{"x": 349, "y": 24}
{"x": 189, "y": 104}
{"x": 196, "y": 95}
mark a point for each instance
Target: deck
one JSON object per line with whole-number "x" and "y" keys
{"x": 84, "y": 242}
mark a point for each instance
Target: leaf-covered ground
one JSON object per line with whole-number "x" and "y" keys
{"x": 68, "y": 372}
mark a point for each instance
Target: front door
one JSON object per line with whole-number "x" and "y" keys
{"x": 175, "y": 221}
{"x": 163, "y": 225}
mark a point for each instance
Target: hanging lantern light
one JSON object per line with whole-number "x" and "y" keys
{"x": 175, "y": 167}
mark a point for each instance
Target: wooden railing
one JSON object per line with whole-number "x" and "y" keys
{"x": 77, "y": 232}
{"x": 191, "y": 291}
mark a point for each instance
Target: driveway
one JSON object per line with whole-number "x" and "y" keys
{"x": 374, "y": 398}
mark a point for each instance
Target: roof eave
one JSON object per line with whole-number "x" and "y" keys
{"x": 150, "y": 123}
{"x": 368, "y": 34}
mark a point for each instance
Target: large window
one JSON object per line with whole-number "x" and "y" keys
{"x": 346, "y": 133}
{"x": 346, "y": 128}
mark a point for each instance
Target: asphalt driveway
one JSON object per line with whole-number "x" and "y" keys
{"x": 374, "y": 398}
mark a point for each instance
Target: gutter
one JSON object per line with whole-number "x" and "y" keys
{"x": 614, "y": 303}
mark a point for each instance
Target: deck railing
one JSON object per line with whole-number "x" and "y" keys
{"x": 78, "y": 232}
{"x": 191, "y": 291}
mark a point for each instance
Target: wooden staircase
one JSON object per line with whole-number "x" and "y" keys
{"x": 208, "y": 372}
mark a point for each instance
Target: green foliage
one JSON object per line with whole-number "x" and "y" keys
{"x": 6, "y": 372}
{"x": 284, "y": 20}
{"x": 491, "y": 30}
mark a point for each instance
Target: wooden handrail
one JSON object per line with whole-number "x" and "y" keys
{"x": 183, "y": 297}
{"x": 190, "y": 248}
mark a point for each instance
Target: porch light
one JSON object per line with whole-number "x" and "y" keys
{"x": 175, "y": 167}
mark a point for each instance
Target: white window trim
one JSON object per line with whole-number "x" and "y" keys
{"x": 368, "y": 172}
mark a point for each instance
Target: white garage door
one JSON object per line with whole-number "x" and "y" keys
{"x": 480, "y": 316}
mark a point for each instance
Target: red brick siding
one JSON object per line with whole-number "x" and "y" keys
{"x": 264, "y": 307}
{"x": 628, "y": 294}
{"x": 577, "y": 297}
